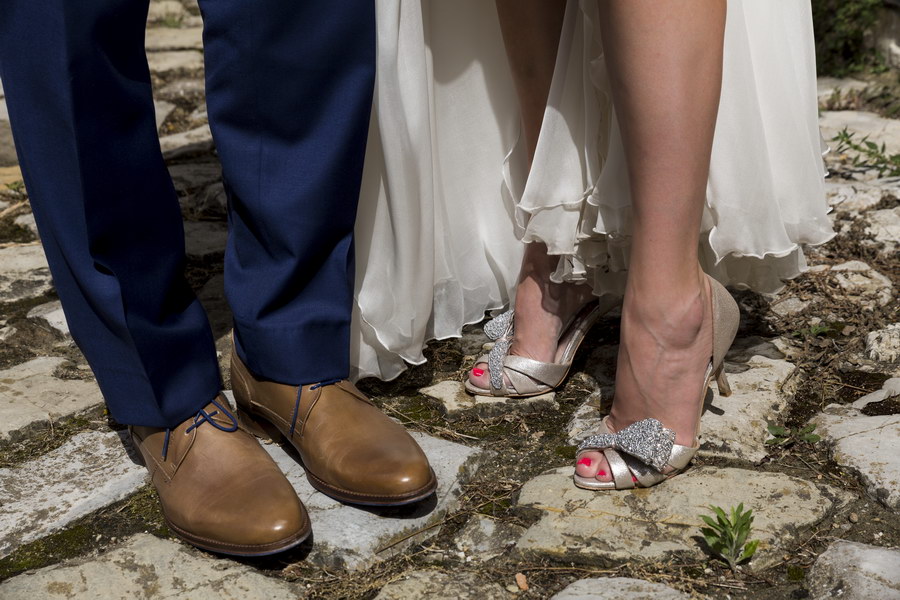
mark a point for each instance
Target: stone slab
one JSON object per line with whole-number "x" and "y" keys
{"x": 144, "y": 568}
{"x": 11, "y": 174}
{"x": 853, "y": 196}
{"x": 828, "y": 86}
{"x": 863, "y": 123}
{"x": 454, "y": 401}
{"x": 863, "y": 284}
{"x": 170, "y": 63}
{"x": 27, "y": 221}
{"x": 656, "y": 523}
{"x": 436, "y": 585}
{"x": 187, "y": 142}
{"x": 24, "y": 273}
{"x": 854, "y": 571}
{"x": 735, "y": 427}
{"x": 90, "y": 471}
{"x": 162, "y": 109}
{"x": 8, "y": 156}
{"x": 351, "y": 537}
{"x": 52, "y": 314}
{"x": 884, "y": 345}
{"x": 160, "y": 39}
{"x": 482, "y": 538}
{"x": 869, "y": 445}
{"x": 884, "y": 228}
{"x": 618, "y": 588}
{"x": 30, "y": 396}
{"x": 205, "y": 238}
{"x": 166, "y": 10}
{"x": 190, "y": 177}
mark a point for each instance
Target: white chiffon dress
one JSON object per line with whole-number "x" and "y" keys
{"x": 447, "y": 199}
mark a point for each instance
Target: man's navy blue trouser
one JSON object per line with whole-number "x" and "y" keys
{"x": 289, "y": 91}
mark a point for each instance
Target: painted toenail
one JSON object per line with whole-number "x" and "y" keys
{"x": 633, "y": 478}
{"x": 586, "y": 462}
{"x": 477, "y": 372}
{"x": 601, "y": 473}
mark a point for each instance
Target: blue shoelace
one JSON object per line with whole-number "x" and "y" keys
{"x": 204, "y": 417}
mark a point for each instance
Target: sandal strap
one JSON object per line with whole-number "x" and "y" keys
{"x": 620, "y": 471}
{"x": 549, "y": 374}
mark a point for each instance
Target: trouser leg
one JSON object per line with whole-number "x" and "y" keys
{"x": 289, "y": 92}
{"x": 78, "y": 90}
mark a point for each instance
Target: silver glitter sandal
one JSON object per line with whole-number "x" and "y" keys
{"x": 645, "y": 453}
{"x": 526, "y": 376}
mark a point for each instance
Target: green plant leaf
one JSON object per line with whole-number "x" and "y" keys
{"x": 749, "y": 551}
{"x": 812, "y": 438}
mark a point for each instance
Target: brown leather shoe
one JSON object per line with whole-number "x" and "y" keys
{"x": 218, "y": 488}
{"x": 350, "y": 449}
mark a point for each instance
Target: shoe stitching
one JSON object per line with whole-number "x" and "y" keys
{"x": 430, "y": 483}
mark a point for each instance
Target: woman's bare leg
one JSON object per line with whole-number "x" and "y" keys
{"x": 531, "y": 31}
{"x": 665, "y": 61}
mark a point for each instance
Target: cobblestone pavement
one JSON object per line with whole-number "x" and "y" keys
{"x": 78, "y": 520}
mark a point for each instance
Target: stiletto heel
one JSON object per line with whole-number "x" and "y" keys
{"x": 722, "y": 382}
{"x": 645, "y": 453}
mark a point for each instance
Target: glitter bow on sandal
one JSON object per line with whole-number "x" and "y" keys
{"x": 645, "y": 452}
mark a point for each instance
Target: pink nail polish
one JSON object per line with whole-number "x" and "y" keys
{"x": 477, "y": 372}
{"x": 601, "y": 473}
{"x": 633, "y": 478}
{"x": 586, "y": 462}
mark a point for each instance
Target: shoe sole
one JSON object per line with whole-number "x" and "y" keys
{"x": 240, "y": 549}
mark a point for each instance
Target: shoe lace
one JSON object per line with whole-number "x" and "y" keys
{"x": 204, "y": 417}
{"x": 297, "y": 401}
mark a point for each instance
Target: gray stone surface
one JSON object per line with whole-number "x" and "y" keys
{"x": 187, "y": 142}
{"x": 417, "y": 585}
{"x": 863, "y": 284}
{"x": 884, "y": 227}
{"x": 869, "y": 445}
{"x": 854, "y": 571}
{"x": 145, "y": 568}
{"x": 170, "y": 63}
{"x": 24, "y": 273}
{"x": 8, "y": 156}
{"x": 166, "y": 10}
{"x": 30, "y": 395}
{"x": 90, "y": 471}
{"x": 862, "y": 123}
{"x": 853, "y": 196}
{"x": 789, "y": 307}
{"x": 52, "y": 314}
{"x": 884, "y": 345}
{"x": 27, "y": 221}
{"x": 483, "y": 538}
{"x": 735, "y": 427}
{"x": 192, "y": 177}
{"x": 618, "y": 588}
{"x": 182, "y": 88}
{"x": 351, "y": 537}
{"x": 454, "y": 401}
{"x": 160, "y": 39}
{"x": 826, "y": 87}
{"x": 163, "y": 109}
{"x": 204, "y": 238}
{"x": 655, "y": 523}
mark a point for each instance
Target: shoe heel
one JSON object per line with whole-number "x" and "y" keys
{"x": 722, "y": 382}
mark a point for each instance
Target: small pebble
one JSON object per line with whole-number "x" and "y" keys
{"x": 854, "y": 518}
{"x": 522, "y": 581}
{"x": 512, "y": 588}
